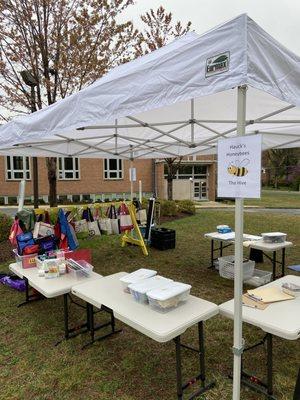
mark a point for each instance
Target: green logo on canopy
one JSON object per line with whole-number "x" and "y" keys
{"x": 217, "y": 64}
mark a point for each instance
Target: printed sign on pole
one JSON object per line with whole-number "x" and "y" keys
{"x": 239, "y": 167}
{"x": 132, "y": 174}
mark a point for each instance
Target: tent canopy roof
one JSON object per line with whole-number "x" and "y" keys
{"x": 175, "y": 101}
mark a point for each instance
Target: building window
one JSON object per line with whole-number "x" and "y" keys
{"x": 113, "y": 168}
{"x": 17, "y": 168}
{"x": 187, "y": 171}
{"x": 68, "y": 168}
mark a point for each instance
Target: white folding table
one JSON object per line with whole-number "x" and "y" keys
{"x": 55, "y": 287}
{"x": 251, "y": 241}
{"x": 281, "y": 319}
{"x": 161, "y": 327}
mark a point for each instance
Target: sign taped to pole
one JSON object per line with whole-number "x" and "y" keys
{"x": 239, "y": 167}
{"x": 132, "y": 174}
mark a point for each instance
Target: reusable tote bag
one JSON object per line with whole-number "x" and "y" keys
{"x": 92, "y": 224}
{"x": 15, "y": 230}
{"x": 125, "y": 219}
{"x": 105, "y": 224}
{"x": 141, "y": 216}
{"x": 112, "y": 215}
{"x": 42, "y": 229}
{"x": 94, "y": 228}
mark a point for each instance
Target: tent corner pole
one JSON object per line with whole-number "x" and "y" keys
{"x": 238, "y": 263}
{"x": 131, "y": 175}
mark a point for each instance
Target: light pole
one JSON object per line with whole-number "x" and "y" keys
{"x": 31, "y": 81}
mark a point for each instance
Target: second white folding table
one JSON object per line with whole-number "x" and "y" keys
{"x": 161, "y": 327}
{"x": 253, "y": 242}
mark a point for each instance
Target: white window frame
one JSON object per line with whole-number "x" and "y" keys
{"x": 193, "y": 175}
{"x": 61, "y": 172}
{"x": 13, "y": 171}
{"x": 107, "y": 171}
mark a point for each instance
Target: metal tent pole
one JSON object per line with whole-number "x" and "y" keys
{"x": 131, "y": 168}
{"x": 238, "y": 264}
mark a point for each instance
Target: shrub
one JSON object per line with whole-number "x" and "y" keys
{"x": 5, "y": 224}
{"x": 168, "y": 208}
{"x": 186, "y": 207}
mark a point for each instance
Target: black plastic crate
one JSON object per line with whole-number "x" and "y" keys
{"x": 163, "y": 238}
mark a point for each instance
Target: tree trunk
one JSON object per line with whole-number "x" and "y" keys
{"x": 170, "y": 188}
{"x": 51, "y": 166}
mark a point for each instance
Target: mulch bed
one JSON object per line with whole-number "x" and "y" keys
{"x": 5, "y": 252}
{"x": 164, "y": 219}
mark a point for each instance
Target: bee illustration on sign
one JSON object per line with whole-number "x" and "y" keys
{"x": 238, "y": 168}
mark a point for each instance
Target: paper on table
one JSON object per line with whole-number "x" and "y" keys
{"x": 270, "y": 294}
{"x": 247, "y": 301}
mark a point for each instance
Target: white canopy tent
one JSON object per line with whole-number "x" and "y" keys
{"x": 178, "y": 100}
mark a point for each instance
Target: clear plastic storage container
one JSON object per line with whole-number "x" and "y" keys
{"x": 80, "y": 268}
{"x": 27, "y": 261}
{"x": 291, "y": 289}
{"x": 274, "y": 237}
{"x": 135, "y": 277}
{"x": 259, "y": 278}
{"x": 166, "y": 298}
{"x": 226, "y": 267}
{"x": 139, "y": 290}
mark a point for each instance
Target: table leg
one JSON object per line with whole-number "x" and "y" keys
{"x": 113, "y": 322}
{"x": 178, "y": 368}
{"x": 283, "y": 262}
{"x": 93, "y": 328}
{"x": 66, "y": 316}
{"x": 270, "y": 364}
{"x": 91, "y": 321}
{"x": 221, "y": 249}
{"x": 29, "y": 297}
{"x": 212, "y": 250}
{"x": 274, "y": 265}
{"x": 201, "y": 352}
{"x": 252, "y": 381}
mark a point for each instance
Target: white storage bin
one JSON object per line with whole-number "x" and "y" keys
{"x": 135, "y": 277}
{"x": 139, "y": 290}
{"x": 274, "y": 237}
{"x": 226, "y": 267}
{"x": 259, "y": 278}
{"x": 166, "y": 298}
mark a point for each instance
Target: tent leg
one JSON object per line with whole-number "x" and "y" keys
{"x": 238, "y": 251}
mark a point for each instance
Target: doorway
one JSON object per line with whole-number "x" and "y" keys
{"x": 200, "y": 190}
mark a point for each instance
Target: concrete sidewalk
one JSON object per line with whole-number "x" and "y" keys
{"x": 215, "y": 205}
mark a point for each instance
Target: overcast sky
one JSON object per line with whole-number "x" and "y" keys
{"x": 280, "y": 18}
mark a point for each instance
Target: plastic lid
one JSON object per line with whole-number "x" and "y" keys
{"x": 138, "y": 275}
{"x": 151, "y": 283}
{"x": 273, "y": 234}
{"x": 168, "y": 292}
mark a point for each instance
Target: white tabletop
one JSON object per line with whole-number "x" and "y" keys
{"x": 229, "y": 237}
{"x": 161, "y": 327}
{"x": 51, "y": 287}
{"x": 281, "y": 319}
{"x": 261, "y": 245}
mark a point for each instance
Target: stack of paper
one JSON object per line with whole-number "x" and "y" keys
{"x": 270, "y": 294}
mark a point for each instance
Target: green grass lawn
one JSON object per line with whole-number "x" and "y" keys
{"x": 276, "y": 199}
{"x": 130, "y": 366}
